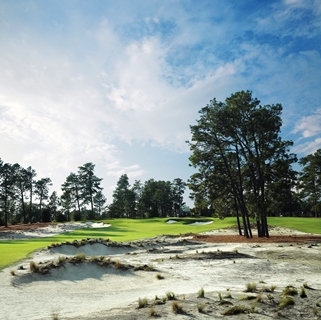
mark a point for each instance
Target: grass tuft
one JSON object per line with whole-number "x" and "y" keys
{"x": 177, "y": 308}
{"x": 289, "y": 291}
{"x": 152, "y": 313}
{"x": 201, "y": 293}
{"x": 251, "y": 287}
{"x": 142, "y": 303}
{"x": 236, "y": 310}
{"x": 170, "y": 295}
{"x": 287, "y": 301}
{"x": 303, "y": 293}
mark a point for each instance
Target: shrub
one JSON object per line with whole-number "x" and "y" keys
{"x": 80, "y": 257}
{"x": 287, "y": 301}
{"x": 289, "y": 291}
{"x": 33, "y": 267}
{"x": 236, "y": 310}
{"x": 12, "y": 273}
{"x": 142, "y": 303}
{"x": 170, "y": 295}
{"x": 273, "y": 287}
{"x": 201, "y": 293}
{"x": 177, "y": 308}
{"x": 251, "y": 287}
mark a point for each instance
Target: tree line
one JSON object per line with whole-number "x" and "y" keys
{"x": 244, "y": 168}
{"x": 25, "y": 199}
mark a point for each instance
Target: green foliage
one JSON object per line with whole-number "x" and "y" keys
{"x": 142, "y": 303}
{"x": 251, "y": 287}
{"x": 201, "y": 293}
{"x": 79, "y": 257}
{"x": 170, "y": 295}
{"x": 286, "y": 301}
{"x": 241, "y": 160}
{"x": 236, "y": 310}
{"x": 289, "y": 291}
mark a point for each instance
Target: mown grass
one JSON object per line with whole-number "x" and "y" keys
{"x": 134, "y": 229}
{"x": 309, "y": 225}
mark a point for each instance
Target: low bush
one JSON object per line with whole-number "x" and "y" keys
{"x": 170, "y": 295}
{"x": 251, "y": 287}
{"x": 287, "y": 301}
{"x": 201, "y": 293}
{"x": 236, "y": 310}
{"x": 142, "y": 303}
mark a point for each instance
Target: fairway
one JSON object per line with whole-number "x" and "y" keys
{"x": 134, "y": 229}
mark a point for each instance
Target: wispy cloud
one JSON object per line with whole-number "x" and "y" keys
{"x": 83, "y": 81}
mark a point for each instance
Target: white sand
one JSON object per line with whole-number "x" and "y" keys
{"x": 88, "y": 291}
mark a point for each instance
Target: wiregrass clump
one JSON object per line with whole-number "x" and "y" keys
{"x": 170, "y": 295}
{"x": 289, "y": 291}
{"x": 142, "y": 303}
{"x": 201, "y": 293}
{"x": 236, "y": 310}
{"x": 251, "y": 287}
{"x": 177, "y": 308}
{"x": 286, "y": 301}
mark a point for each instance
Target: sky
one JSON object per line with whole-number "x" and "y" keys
{"x": 118, "y": 83}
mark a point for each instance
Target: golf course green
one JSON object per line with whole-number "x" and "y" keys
{"x": 11, "y": 251}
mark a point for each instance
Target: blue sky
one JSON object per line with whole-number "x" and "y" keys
{"x": 118, "y": 83}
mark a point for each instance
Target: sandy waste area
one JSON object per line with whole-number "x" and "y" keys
{"x": 162, "y": 277}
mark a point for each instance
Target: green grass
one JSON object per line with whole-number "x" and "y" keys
{"x": 134, "y": 229}
{"x": 309, "y": 225}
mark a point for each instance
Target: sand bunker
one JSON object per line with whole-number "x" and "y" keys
{"x": 89, "y": 291}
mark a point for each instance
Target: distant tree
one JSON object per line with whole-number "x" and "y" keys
{"x": 54, "y": 203}
{"x": 309, "y": 182}
{"x": 30, "y": 175}
{"x": 22, "y": 184}
{"x": 99, "y": 202}
{"x": 123, "y": 199}
{"x": 90, "y": 184}
{"x": 7, "y": 191}
{"x": 178, "y": 189}
{"x": 42, "y": 192}
{"x": 72, "y": 189}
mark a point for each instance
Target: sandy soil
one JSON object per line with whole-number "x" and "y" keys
{"x": 94, "y": 290}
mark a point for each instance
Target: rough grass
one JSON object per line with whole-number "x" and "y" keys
{"x": 177, "y": 308}
{"x": 236, "y": 310}
{"x": 286, "y": 301}
{"x": 201, "y": 293}
{"x": 142, "y": 303}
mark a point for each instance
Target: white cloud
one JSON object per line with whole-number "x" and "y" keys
{"x": 309, "y": 126}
